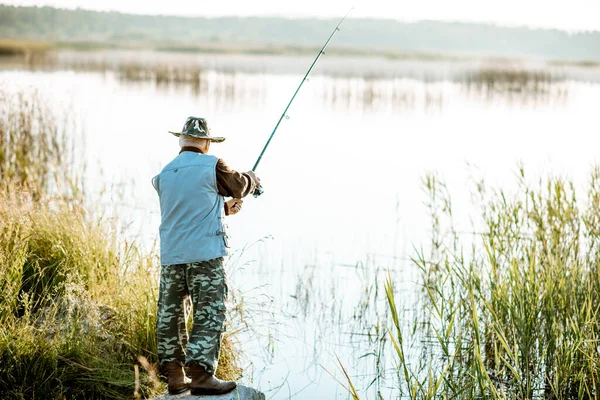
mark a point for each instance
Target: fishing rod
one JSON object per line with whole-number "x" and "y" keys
{"x": 259, "y": 190}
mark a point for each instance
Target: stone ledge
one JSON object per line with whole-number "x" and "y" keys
{"x": 241, "y": 393}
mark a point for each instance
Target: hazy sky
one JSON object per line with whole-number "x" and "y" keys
{"x": 563, "y": 14}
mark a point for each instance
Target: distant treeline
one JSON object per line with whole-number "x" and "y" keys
{"x": 377, "y": 35}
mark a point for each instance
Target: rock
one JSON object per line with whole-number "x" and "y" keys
{"x": 241, "y": 393}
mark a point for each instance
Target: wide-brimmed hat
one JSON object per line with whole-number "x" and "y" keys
{"x": 198, "y": 128}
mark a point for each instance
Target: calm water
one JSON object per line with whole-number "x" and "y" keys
{"x": 344, "y": 200}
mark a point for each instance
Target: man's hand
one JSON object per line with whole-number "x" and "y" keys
{"x": 255, "y": 178}
{"x": 233, "y": 206}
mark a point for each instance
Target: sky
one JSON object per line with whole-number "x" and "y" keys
{"x": 571, "y": 15}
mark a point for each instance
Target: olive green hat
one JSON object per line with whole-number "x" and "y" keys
{"x": 198, "y": 128}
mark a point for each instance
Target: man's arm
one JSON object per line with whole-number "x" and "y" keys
{"x": 234, "y": 184}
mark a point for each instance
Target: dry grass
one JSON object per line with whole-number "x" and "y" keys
{"x": 31, "y": 52}
{"x": 76, "y": 309}
{"x": 23, "y": 47}
{"x": 77, "y": 303}
{"x": 228, "y": 366}
{"x": 34, "y": 155}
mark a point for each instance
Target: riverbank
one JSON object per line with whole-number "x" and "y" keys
{"x": 38, "y": 49}
{"x": 77, "y": 302}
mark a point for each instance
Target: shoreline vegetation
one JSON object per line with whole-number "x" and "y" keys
{"x": 512, "y": 313}
{"x": 38, "y": 49}
{"x": 18, "y": 47}
{"x": 77, "y": 302}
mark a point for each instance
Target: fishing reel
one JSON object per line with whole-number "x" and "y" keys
{"x": 258, "y": 191}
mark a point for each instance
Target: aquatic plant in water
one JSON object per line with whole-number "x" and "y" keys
{"x": 514, "y": 312}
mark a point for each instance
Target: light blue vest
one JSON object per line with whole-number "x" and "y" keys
{"x": 191, "y": 210}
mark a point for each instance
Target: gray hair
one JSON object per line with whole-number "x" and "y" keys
{"x": 186, "y": 140}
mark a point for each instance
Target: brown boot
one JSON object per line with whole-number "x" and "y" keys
{"x": 178, "y": 382}
{"x": 205, "y": 383}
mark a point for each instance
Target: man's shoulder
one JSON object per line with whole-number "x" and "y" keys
{"x": 222, "y": 165}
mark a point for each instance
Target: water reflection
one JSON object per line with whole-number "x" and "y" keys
{"x": 339, "y": 311}
{"x": 395, "y": 85}
{"x": 516, "y": 86}
{"x": 371, "y": 93}
{"x": 365, "y": 94}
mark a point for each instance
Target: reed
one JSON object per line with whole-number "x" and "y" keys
{"x": 23, "y": 48}
{"x": 516, "y": 84}
{"x": 515, "y": 313}
{"x": 34, "y": 152}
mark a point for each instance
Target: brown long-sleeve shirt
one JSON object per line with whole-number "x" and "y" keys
{"x": 230, "y": 183}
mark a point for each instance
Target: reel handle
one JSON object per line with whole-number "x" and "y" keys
{"x": 258, "y": 191}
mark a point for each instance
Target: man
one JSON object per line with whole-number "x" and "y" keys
{"x": 193, "y": 244}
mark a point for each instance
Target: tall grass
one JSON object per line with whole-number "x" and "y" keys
{"x": 515, "y": 314}
{"x": 77, "y": 306}
{"x": 77, "y": 303}
{"x": 34, "y": 152}
{"x": 75, "y": 309}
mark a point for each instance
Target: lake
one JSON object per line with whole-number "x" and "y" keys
{"x": 344, "y": 200}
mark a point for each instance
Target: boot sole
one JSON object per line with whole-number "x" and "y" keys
{"x": 210, "y": 392}
{"x": 179, "y": 391}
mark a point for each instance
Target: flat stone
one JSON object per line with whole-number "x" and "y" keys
{"x": 241, "y": 393}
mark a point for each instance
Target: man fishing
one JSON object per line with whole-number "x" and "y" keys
{"x": 193, "y": 244}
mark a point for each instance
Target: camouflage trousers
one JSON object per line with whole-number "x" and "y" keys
{"x": 202, "y": 286}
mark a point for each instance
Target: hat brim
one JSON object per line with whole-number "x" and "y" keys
{"x": 216, "y": 139}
